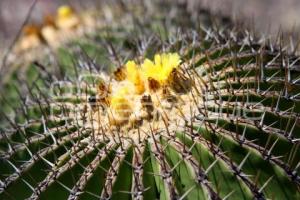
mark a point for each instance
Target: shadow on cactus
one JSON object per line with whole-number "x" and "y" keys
{"x": 204, "y": 113}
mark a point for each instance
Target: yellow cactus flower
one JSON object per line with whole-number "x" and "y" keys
{"x": 66, "y": 18}
{"x": 161, "y": 68}
{"x": 129, "y": 91}
{"x": 133, "y": 75}
{"x": 64, "y": 11}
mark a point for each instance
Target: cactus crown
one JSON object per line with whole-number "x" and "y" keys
{"x": 144, "y": 106}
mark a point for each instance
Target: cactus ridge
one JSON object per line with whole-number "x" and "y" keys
{"x": 236, "y": 135}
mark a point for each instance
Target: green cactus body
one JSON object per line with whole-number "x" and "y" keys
{"x": 235, "y": 134}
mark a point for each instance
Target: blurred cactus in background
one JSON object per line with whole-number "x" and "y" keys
{"x": 148, "y": 100}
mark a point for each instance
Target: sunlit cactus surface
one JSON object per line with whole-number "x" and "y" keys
{"x": 148, "y": 100}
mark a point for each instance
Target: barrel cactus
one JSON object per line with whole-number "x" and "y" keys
{"x": 155, "y": 101}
